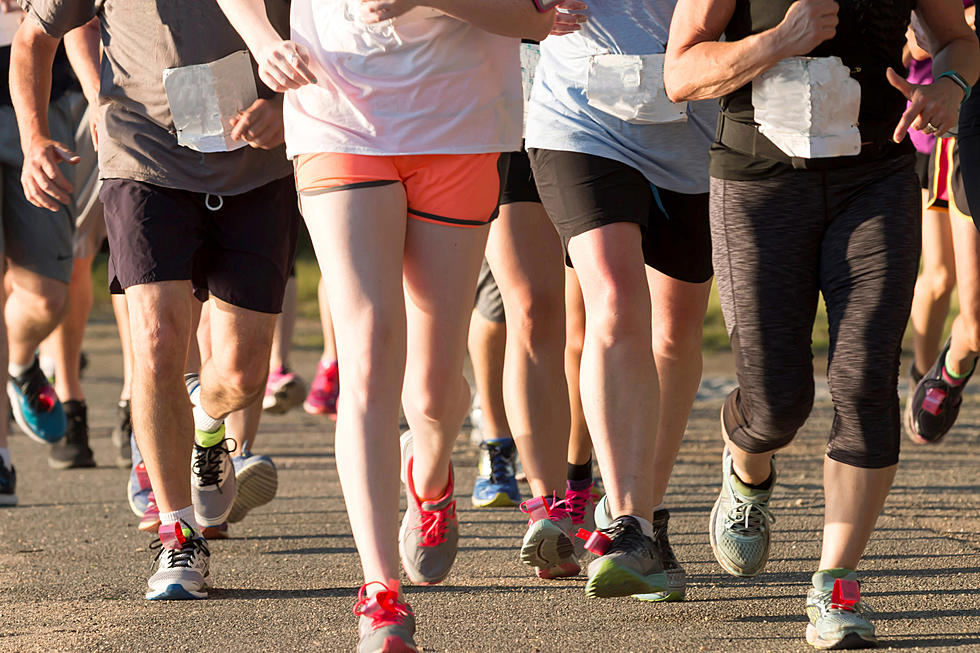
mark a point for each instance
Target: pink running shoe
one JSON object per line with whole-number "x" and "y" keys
{"x": 151, "y": 518}
{"x": 386, "y": 624}
{"x": 283, "y": 391}
{"x": 548, "y": 545}
{"x": 324, "y": 391}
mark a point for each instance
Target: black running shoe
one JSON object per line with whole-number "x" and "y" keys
{"x": 676, "y": 576}
{"x": 8, "y": 486}
{"x": 121, "y": 434}
{"x": 935, "y": 404}
{"x": 631, "y": 564}
{"x": 73, "y": 450}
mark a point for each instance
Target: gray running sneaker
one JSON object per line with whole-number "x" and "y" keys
{"x": 629, "y": 562}
{"x": 212, "y": 480}
{"x": 184, "y": 570}
{"x": 429, "y": 534}
{"x": 741, "y": 523}
{"x": 386, "y": 624}
{"x": 256, "y": 480}
{"x": 547, "y": 544}
{"x": 836, "y": 612}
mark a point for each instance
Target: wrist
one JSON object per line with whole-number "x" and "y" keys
{"x": 953, "y": 78}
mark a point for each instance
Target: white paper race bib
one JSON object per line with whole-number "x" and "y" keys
{"x": 631, "y": 88}
{"x": 204, "y": 98}
{"x": 808, "y": 107}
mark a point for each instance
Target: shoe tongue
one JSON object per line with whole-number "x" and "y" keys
{"x": 205, "y": 439}
{"x": 432, "y": 505}
{"x": 824, "y": 579}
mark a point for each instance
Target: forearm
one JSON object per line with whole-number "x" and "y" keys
{"x": 960, "y": 55}
{"x": 250, "y": 20}
{"x": 31, "y": 57}
{"x": 82, "y": 48}
{"x": 516, "y": 18}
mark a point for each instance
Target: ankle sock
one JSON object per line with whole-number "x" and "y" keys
{"x": 580, "y": 472}
{"x": 206, "y": 439}
{"x": 579, "y": 486}
{"x": 204, "y": 422}
{"x": 765, "y": 485}
{"x": 645, "y": 526}
{"x": 185, "y": 515}
{"x": 5, "y": 457}
{"x": 956, "y": 379}
{"x": 16, "y": 370}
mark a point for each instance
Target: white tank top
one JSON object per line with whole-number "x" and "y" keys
{"x": 425, "y": 83}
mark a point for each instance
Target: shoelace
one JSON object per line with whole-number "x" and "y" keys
{"x": 501, "y": 462}
{"x": 184, "y": 556}
{"x": 624, "y": 535}
{"x": 825, "y": 598}
{"x": 435, "y": 524}
{"x": 578, "y": 502}
{"x": 207, "y": 461}
{"x": 557, "y": 509}
{"x": 383, "y": 609}
{"x": 748, "y": 516}
{"x": 39, "y": 393}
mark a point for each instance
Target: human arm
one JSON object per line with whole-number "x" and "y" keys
{"x": 260, "y": 125}
{"x": 934, "y": 107}
{"x": 698, "y": 66}
{"x": 516, "y": 18}
{"x": 82, "y": 48}
{"x": 31, "y": 57}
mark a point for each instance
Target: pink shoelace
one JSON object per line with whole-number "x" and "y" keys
{"x": 578, "y": 502}
{"x": 384, "y": 608}
{"x": 435, "y": 524}
{"x": 540, "y": 508}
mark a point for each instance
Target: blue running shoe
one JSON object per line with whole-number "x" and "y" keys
{"x": 8, "y": 485}
{"x": 496, "y": 485}
{"x": 36, "y": 406}
{"x": 257, "y": 483}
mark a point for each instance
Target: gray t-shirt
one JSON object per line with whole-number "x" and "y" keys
{"x": 671, "y": 155}
{"x": 142, "y": 38}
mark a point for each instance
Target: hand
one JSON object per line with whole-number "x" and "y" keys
{"x": 10, "y": 7}
{"x": 807, "y": 24}
{"x": 933, "y": 108}
{"x": 569, "y": 17}
{"x": 44, "y": 184}
{"x": 284, "y": 65}
{"x": 260, "y": 125}
{"x": 970, "y": 13}
{"x": 375, "y": 11}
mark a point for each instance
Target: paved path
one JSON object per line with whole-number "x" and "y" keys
{"x": 73, "y": 565}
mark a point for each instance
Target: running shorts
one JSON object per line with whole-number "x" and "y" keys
{"x": 946, "y": 187}
{"x": 519, "y": 181}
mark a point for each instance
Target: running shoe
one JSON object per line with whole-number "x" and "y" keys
{"x": 184, "y": 565}
{"x": 212, "y": 479}
{"x": 741, "y": 523}
{"x": 386, "y": 625}
{"x": 836, "y": 612}
{"x": 35, "y": 406}
{"x": 676, "y": 576}
{"x": 495, "y": 484}
{"x": 476, "y": 419}
{"x": 122, "y": 432}
{"x": 547, "y": 544}
{"x": 150, "y": 519}
{"x": 219, "y": 532}
{"x": 628, "y": 562}
{"x": 73, "y": 450}
{"x": 138, "y": 488}
{"x": 8, "y": 485}
{"x": 429, "y": 535}
{"x": 580, "y": 509}
{"x": 256, "y": 481}
{"x": 324, "y": 391}
{"x": 934, "y": 406}
{"x": 284, "y": 391}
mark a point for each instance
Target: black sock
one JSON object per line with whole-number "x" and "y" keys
{"x": 764, "y": 485}
{"x": 581, "y": 472}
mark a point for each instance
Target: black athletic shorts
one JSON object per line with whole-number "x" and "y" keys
{"x": 519, "y": 180}
{"x": 241, "y": 252}
{"x": 922, "y": 169}
{"x": 582, "y": 192}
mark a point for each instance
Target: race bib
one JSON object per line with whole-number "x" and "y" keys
{"x": 631, "y": 88}
{"x": 808, "y": 107}
{"x": 204, "y": 98}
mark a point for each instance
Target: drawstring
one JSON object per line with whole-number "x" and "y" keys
{"x": 207, "y": 202}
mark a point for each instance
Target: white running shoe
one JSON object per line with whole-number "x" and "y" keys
{"x": 184, "y": 570}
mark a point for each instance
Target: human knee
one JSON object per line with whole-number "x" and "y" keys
{"x": 939, "y": 281}
{"x": 676, "y": 341}
{"x": 437, "y": 399}
{"x": 47, "y": 303}
{"x": 159, "y": 345}
{"x": 760, "y": 427}
{"x": 537, "y": 316}
{"x": 243, "y": 375}
{"x": 618, "y": 316}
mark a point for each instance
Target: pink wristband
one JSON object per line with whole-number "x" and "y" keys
{"x": 545, "y": 5}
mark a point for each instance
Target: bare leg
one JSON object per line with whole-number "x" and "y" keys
{"x": 965, "y": 346}
{"x": 282, "y": 341}
{"x": 525, "y": 256}
{"x": 579, "y": 441}
{"x": 121, "y": 310}
{"x": 34, "y": 308}
{"x": 933, "y": 288}
{"x": 854, "y": 499}
{"x": 486, "y": 343}
{"x": 619, "y": 376}
{"x": 64, "y": 344}
{"x": 243, "y": 425}
{"x": 326, "y": 323}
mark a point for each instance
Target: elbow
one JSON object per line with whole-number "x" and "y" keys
{"x": 677, "y": 90}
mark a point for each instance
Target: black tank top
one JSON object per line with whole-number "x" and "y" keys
{"x": 870, "y": 36}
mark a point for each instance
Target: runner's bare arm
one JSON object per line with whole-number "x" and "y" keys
{"x": 82, "y": 48}
{"x": 955, "y": 47}
{"x": 698, "y": 66}
{"x": 283, "y": 65}
{"x": 517, "y": 18}
{"x": 31, "y": 57}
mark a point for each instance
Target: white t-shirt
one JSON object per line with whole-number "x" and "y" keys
{"x": 425, "y": 83}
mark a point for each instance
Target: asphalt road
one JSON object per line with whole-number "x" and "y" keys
{"x": 73, "y": 566}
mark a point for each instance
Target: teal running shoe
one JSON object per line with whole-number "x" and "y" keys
{"x": 741, "y": 523}
{"x": 36, "y": 407}
{"x": 836, "y": 612}
{"x": 496, "y": 485}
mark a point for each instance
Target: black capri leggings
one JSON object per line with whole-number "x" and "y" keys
{"x": 853, "y": 234}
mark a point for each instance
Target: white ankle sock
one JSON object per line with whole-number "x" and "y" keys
{"x": 660, "y": 506}
{"x": 5, "y": 457}
{"x": 204, "y": 422}
{"x": 16, "y": 370}
{"x": 645, "y": 526}
{"x": 185, "y": 515}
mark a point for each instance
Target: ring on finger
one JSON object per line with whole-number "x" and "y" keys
{"x": 293, "y": 58}
{"x": 931, "y": 128}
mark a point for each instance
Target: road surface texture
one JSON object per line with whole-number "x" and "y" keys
{"x": 73, "y": 566}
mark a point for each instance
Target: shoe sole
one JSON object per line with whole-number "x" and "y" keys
{"x": 177, "y": 592}
{"x": 215, "y": 533}
{"x": 501, "y": 500}
{"x": 22, "y": 423}
{"x": 677, "y": 583}
{"x": 8, "y": 500}
{"x": 283, "y": 400}
{"x": 148, "y": 527}
{"x": 393, "y": 644}
{"x": 612, "y": 580}
{"x": 549, "y": 551}
{"x": 256, "y": 486}
{"x": 87, "y": 463}
{"x": 319, "y": 410}
{"x": 847, "y": 642}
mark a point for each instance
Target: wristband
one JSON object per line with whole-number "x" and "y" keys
{"x": 957, "y": 79}
{"x": 545, "y": 5}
